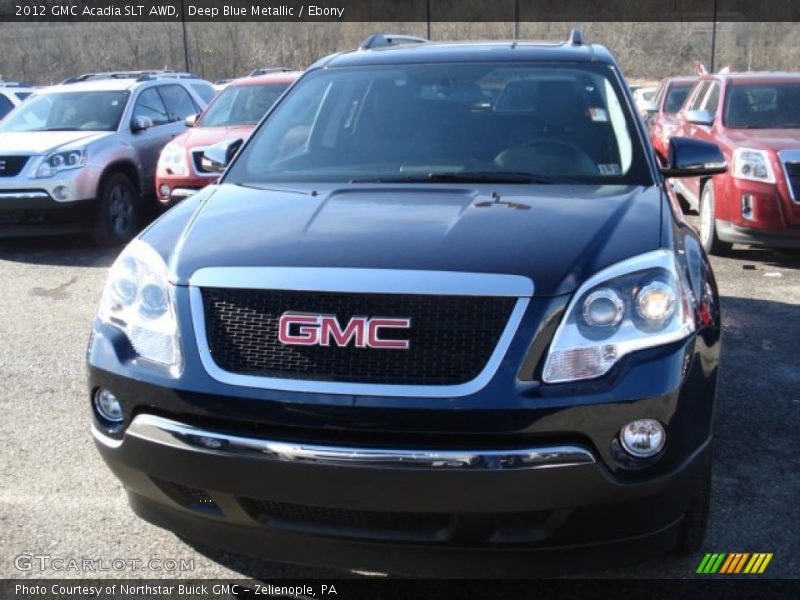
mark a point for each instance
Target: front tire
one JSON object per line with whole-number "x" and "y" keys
{"x": 119, "y": 211}
{"x": 708, "y": 223}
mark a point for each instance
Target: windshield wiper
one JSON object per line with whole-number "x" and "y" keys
{"x": 466, "y": 177}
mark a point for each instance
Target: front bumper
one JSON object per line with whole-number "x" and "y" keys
{"x": 172, "y": 189}
{"x": 472, "y": 484}
{"x": 788, "y": 237}
{"x": 35, "y": 212}
{"x": 315, "y": 505}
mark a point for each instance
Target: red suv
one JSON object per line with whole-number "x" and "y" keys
{"x": 234, "y": 113}
{"x": 754, "y": 119}
{"x": 662, "y": 112}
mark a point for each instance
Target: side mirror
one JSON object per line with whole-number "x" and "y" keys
{"x": 693, "y": 158}
{"x": 141, "y": 124}
{"x": 699, "y": 117}
{"x": 216, "y": 158}
{"x": 191, "y": 120}
{"x": 650, "y": 107}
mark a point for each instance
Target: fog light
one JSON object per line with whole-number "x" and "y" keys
{"x": 643, "y": 438}
{"x": 748, "y": 204}
{"x": 61, "y": 192}
{"x": 164, "y": 190}
{"x": 107, "y": 406}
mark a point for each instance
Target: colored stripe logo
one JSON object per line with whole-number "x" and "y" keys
{"x": 734, "y": 563}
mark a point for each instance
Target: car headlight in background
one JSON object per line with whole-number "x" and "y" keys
{"x": 638, "y": 303}
{"x": 173, "y": 160}
{"x": 753, "y": 165}
{"x": 138, "y": 300}
{"x": 61, "y": 161}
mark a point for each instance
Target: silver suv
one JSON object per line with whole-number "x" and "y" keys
{"x": 82, "y": 155}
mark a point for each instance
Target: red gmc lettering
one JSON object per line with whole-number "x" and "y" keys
{"x": 325, "y": 330}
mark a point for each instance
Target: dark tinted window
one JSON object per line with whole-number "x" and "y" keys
{"x": 763, "y": 105}
{"x": 242, "y": 105}
{"x": 697, "y": 99}
{"x": 149, "y": 105}
{"x": 425, "y": 121}
{"x": 22, "y": 95}
{"x": 204, "y": 90}
{"x": 712, "y": 102}
{"x": 178, "y": 101}
{"x": 5, "y": 106}
{"x": 676, "y": 97}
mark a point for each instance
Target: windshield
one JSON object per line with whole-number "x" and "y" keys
{"x": 676, "y": 97}
{"x": 763, "y": 106}
{"x": 242, "y": 105}
{"x": 447, "y": 122}
{"x": 68, "y": 111}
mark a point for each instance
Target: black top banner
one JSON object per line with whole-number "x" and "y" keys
{"x": 400, "y": 10}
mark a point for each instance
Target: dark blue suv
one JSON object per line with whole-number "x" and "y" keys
{"x": 441, "y": 315}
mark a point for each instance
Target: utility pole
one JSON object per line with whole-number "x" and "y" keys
{"x": 714, "y": 38}
{"x": 185, "y": 39}
{"x": 428, "y": 19}
{"x": 516, "y": 19}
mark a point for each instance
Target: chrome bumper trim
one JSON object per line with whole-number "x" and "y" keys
{"x": 364, "y": 281}
{"x": 24, "y": 196}
{"x": 166, "y": 432}
{"x": 182, "y": 193}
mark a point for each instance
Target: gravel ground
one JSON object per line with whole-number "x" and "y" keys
{"x": 58, "y": 498}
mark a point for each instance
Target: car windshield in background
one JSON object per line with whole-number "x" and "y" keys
{"x": 241, "y": 105}
{"x": 763, "y": 106}
{"x": 676, "y": 97}
{"x": 449, "y": 123}
{"x": 68, "y": 111}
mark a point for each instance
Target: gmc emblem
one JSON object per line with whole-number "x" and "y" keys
{"x": 324, "y": 330}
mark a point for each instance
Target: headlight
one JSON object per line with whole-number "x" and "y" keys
{"x": 753, "y": 165}
{"x": 173, "y": 160}
{"x": 638, "y": 303}
{"x": 137, "y": 300}
{"x": 61, "y": 161}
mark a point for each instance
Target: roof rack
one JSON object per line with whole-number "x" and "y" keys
{"x": 15, "y": 84}
{"x": 137, "y": 75}
{"x": 382, "y": 40}
{"x": 266, "y": 70}
{"x": 575, "y": 37}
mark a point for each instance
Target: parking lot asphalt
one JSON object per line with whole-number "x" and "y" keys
{"x": 58, "y": 499}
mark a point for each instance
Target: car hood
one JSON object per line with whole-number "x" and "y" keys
{"x": 555, "y": 235}
{"x": 42, "y": 142}
{"x": 765, "y": 139}
{"x": 208, "y": 136}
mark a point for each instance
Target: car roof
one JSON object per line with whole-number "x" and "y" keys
{"x": 480, "y": 51}
{"x": 112, "y": 84}
{"x": 682, "y": 79}
{"x": 755, "y": 76}
{"x": 267, "y": 79}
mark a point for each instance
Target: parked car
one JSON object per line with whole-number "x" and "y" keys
{"x": 81, "y": 156}
{"x": 413, "y": 330}
{"x": 661, "y": 118}
{"x": 754, "y": 118}
{"x": 642, "y": 96}
{"x": 12, "y": 93}
{"x": 233, "y": 114}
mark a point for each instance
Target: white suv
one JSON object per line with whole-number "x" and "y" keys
{"x": 82, "y": 155}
